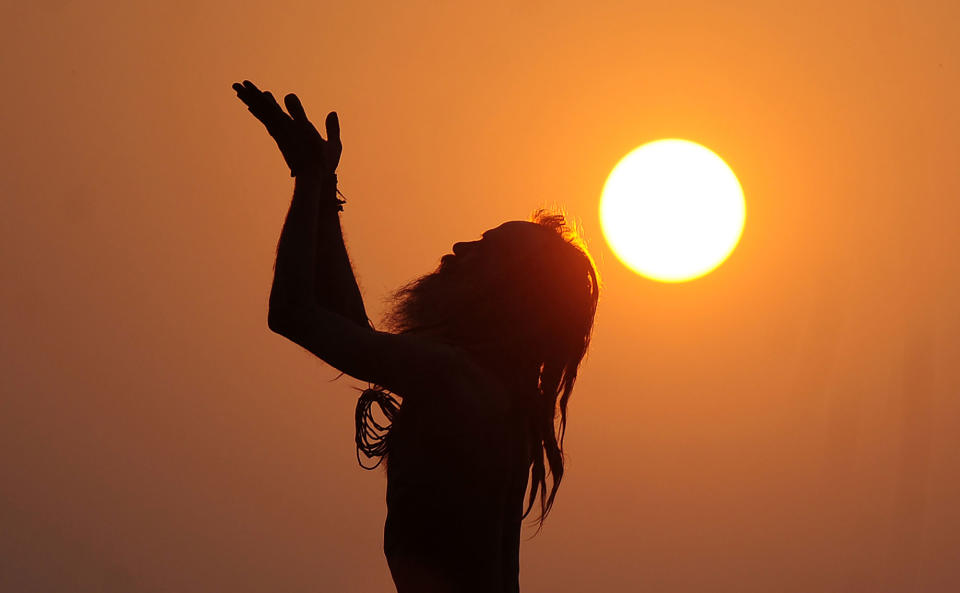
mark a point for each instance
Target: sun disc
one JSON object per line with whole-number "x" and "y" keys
{"x": 672, "y": 210}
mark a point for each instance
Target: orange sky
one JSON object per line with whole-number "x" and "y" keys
{"x": 788, "y": 423}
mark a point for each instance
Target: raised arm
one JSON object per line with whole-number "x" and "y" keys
{"x": 313, "y": 161}
{"x": 336, "y": 285}
{"x": 400, "y": 363}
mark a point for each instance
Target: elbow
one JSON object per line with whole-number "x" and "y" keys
{"x": 279, "y": 322}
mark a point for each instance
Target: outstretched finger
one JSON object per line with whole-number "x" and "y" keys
{"x": 295, "y": 107}
{"x": 333, "y": 127}
{"x": 262, "y": 105}
{"x": 246, "y": 91}
{"x": 271, "y": 107}
{"x": 242, "y": 91}
{"x": 299, "y": 115}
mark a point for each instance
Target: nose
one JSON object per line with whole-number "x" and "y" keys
{"x": 462, "y": 248}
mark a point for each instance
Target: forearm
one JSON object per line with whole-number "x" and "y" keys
{"x": 313, "y": 267}
{"x": 294, "y": 273}
{"x": 336, "y": 285}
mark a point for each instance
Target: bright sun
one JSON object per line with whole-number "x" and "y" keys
{"x": 672, "y": 210}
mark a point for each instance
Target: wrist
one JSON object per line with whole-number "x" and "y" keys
{"x": 322, "y": 186}
{"x": 317, "y": 178}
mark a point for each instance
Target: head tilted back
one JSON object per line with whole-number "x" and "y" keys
{"x": 530, "y": 292}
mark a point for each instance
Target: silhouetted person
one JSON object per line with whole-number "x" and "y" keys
{"x": 484, "y": 352}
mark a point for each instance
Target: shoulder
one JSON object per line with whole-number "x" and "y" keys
{"x": 449, "y": 380}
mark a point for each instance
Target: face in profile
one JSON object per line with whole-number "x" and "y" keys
{"x": 514, "y": 240}
{"x": 521, "y": 286}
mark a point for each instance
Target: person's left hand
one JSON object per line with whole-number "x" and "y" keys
{"x": 301, "y": 145}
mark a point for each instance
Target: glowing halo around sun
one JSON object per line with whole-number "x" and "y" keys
{"x": 672, "y": 210}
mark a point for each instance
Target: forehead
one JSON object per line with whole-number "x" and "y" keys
{"x": 514, "y": 231}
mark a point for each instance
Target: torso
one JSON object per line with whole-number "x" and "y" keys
{"x": 456, "y": 477}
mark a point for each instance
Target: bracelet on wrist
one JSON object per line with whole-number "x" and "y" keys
{"x": 327, "y": 181}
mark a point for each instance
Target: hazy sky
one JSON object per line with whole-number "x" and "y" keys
{"x": 788, "y": 423}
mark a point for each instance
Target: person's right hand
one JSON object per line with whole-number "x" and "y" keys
{"x": 301, "y": 145}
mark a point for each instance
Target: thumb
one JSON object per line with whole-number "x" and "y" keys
{"x": 333, "y": 128}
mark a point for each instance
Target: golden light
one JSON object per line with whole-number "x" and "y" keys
{"x": 672, "y": 210}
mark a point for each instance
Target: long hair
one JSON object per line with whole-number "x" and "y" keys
{"x": 533, "y": 306}
{"x": 573, "y": 321}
